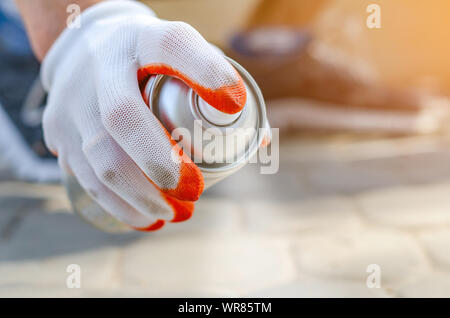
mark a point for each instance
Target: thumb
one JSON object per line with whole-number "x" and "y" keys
{"x": 177, "y": 49}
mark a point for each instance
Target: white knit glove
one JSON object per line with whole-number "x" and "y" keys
{"x": 98, "y": 124}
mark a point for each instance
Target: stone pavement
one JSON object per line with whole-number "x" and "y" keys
{"x": 337, "y": 205}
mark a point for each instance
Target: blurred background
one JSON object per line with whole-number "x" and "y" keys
{"x": 364, "y": 176}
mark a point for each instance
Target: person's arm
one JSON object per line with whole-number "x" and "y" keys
{"x": 46, "y": 19}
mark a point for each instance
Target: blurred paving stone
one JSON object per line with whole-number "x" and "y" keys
{"x": 45, "y": 197}
{"x": 437, "y": 244}
{"x": 45, "y": 244}
{"x": 249, "y": 183}
{"x": 12, "y": 211}
{"x": 328, "y": 178}
{"x": 427, "y": 167}
{"x": 210, "y": 215}
{"x": 408, "y": 207}
{"x": 236, "y": 263}
{"x": 142, "y": 291}
{"x": 360, "y": 147}
{"x": 346, "y": 254}
{"x": 297, "y": 212}
{"x": 435, "y": 284}
{"x": 98, "y": 270}
{"x": 8, "y": 210}
{"x": 35, "y": 291}
{"x": 32, "y": 190}
{"x": 42, "y": 235}
{"x": 5, "y": 168}
{"x": 314, "y": 287}
{"x": 286, "y": 217}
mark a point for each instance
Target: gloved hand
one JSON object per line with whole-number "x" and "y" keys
{"x": 98, "y": 124}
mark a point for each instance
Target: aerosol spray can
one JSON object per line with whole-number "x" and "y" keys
{"x": 195, "y": 124}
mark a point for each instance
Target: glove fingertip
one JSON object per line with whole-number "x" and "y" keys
{"x": 190, "y": 183}
{"x": 227, "y": 99}
{"x": 183, "y": 210}
{"x": 152, "y": 227}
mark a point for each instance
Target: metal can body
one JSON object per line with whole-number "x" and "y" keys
{"x": 89, "y": 210}
{"x": 177, "y": 106}
{"x": 239, "y": 136}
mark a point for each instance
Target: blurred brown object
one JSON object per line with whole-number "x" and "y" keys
{"x": 410, "y": 49}
{"x": 307, "y": 72}
{"x": 374, "y": 78}
{"x": 285, "y": 12}
{"x": 216, "y": 20}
